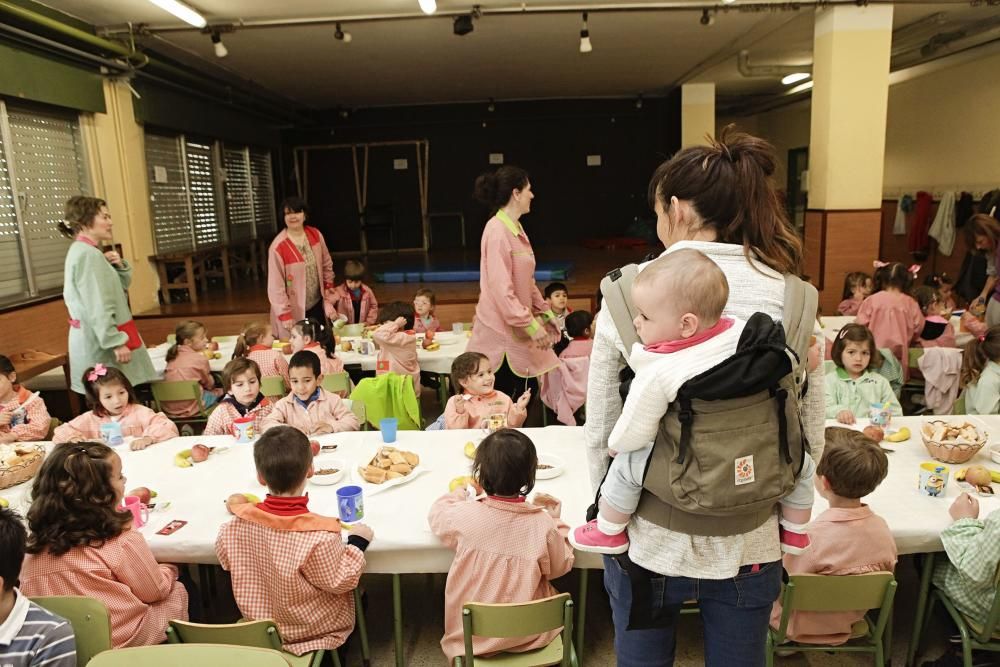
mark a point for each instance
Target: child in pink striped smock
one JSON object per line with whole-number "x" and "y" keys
{"x": 477, "y": 400}
{"x": 257, "y": 343}
{"x": 310, "y": 408}
{"x": 857, "y": 287}
{"x": 423, "y": 312}
{"x": 316, "y": 338}
{"x": 241, "y": 378}
{"x": 506, "y": 549}
{"x": 112, "y": 399}
{"x": 891, "y": 313}
{"x": 186, "y": 360}
{"x": 82, "y": 542}
{"x": 397, "y": 343}
{"x": 23, "y": 415}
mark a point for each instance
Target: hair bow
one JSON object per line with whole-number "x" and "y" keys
{"x": 982, "y": 338}
{"x": 914, "y": 269}
{"x": 878, "y": 265}
{"x": 99, "y": 371}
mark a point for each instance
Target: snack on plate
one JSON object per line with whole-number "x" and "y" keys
{"x": 19, "y": 462}
{"x": 17, "y": 454}
{"x": 953, "y": 432}
{"x": 389, "y": 463}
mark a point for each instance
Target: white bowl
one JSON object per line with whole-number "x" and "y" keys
{"x": 558, "y": 466}
{"x": 995, "y": 453}
{"x": 326, "y": 461}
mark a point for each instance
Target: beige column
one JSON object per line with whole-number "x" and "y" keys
{"x": 851, "y": 49}
{"x": 697, "y": 113}
{"x": 116, "y": 152}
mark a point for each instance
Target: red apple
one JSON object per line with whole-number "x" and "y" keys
{"x": 235, "y": 499}
{"x": 314, "y": 446}
{"x": 199, "y": 453}
{"x": 213, "y": 346}
{"x": 874, "y": 432}
{"x": 286, "y": 349}
{"x": 143, "y": 493}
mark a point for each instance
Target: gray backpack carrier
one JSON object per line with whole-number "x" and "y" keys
{"x": 732, "y": 444}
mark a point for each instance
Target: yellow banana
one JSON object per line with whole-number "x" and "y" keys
{"x": 899, "y": 436}
{"x": 4, "y": 502}
{"x": 252, "y": 498}
{"x": 995, "y": 476}
{"x": 183, "y": 459}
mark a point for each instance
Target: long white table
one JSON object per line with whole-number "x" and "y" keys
{"x": 832, "y": 324}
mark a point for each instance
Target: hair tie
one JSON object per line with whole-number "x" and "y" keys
{"x": 982, "y": 338}
{"x": 878, "y": 265}
{"x": 914, "y": 269}
{"x": 99, "y": 371}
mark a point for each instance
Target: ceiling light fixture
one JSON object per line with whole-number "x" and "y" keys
{"x": 428, "y": 6}
{"x": 706, "y": 19}
{"x": 728, "y": 2}
{"x": 182, "y": 11}
{"x": 795, "y": 78}
{"x": 585, "y": 45}
{"x": 220, "y": 49}
{"x": 345, "y": 37}
{"x": 463, "y": 25}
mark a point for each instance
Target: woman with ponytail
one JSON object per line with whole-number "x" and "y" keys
{"x": 101, "y": 329}
{"x": 719, "y": 199}
{"x": 981, "y": 373}
{"x": 513, "y": 325}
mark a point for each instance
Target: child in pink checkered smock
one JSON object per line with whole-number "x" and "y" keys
{"x": 241, "y": 379}
{"x": 287, "y": 563}
{"x": 506, "y": 548}
{"x": 23, "y": 415}
{"x": 316, "y": 338}
{"x": 256, "y": 342}
{"x": 397, "y": 343}
{"x": 891, "y": 313}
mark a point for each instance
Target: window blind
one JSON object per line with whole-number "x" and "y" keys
{"x": 263, "y": 192}
{"x": 168, "y": 194}
{"x": 13, "y": 277}
{"x": 239, "y": 198}
{"x": 201, "y": 184}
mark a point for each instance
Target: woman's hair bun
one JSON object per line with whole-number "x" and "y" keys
{"x": 738, "y": 146}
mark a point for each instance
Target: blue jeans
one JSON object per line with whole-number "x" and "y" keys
{"x": 735, "y": 614}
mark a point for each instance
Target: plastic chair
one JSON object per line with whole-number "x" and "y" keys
{"x": 224, "y": 339}
{"x": 89, "y": 618}
{"x": 959, "y": 407}
{"x": 255, "y": 634}
{"x": 817, "y": 592}
{"x": 358, "y": 408}
{"x": 273, "y": 386}
{"x": 521, "y": 619}
{"x": 171, "y": 338}
{"x": 180, "y": 390}
{"x": 171, "y": 655}
{"x": 973, "y": 635}
{"x": 336, "y": 382}
{"x": 351, "y": 330}
{"x": 53, "y": 425}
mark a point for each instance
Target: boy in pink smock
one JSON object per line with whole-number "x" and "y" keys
{"x": 310, "y": 408}
{"x": 355, "y": 302}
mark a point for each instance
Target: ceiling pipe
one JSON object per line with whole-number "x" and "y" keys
{"x": 772, "y": 71}
{"x": 30, "y": 38}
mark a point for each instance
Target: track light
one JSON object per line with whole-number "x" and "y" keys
{"x": 428, "y": 6}
{"x": 706, "y": 18}
{"x": 463, "y": 25}
{"x": 585, "y": 45}
{"x": 491, "y": 107}
{"x": 182, "y": 11}
{"x": 341, "y": 35}
{"x": 220, "y": 49}
{"x": 795, "y": 78}
{"x": 638, "y": 101}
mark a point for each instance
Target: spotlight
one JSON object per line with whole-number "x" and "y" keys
{"x": 463, "y": 25}
{"x": 220, "y": 49}
{"x": 585, "y": 45}
{"x": 491, "y": 107}
{"x": 795, "y": 78}
{"x": 706, "y": 19}
{"x": 341, "y": 35}
{"x": 428, "y": 6}
{"x": 638, "y": 102}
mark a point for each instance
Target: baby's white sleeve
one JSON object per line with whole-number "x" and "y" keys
{"x": 647, "y": 402}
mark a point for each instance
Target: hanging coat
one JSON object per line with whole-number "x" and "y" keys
{"x": 943, "y": 228}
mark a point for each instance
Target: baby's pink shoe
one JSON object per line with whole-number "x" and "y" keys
{"x": 589, "y": 538}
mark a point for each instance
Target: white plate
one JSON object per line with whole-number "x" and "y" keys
{"x": 558, "y": 466}
{"x": 328, "y": 461}
{"x": 371, "y": 489}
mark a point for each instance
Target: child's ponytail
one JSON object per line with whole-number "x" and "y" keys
{"x": 185, "y": 331}
{"x": 250, "y": 336}
{"x": 317, "y": 333}
{"x": 978, "y": 352}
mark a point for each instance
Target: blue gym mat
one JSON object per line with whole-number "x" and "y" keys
{"x": 546, "y": 271}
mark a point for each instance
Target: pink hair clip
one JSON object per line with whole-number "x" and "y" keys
{"x": 99, "y": 371}
{"x": 914, "y": 269}
{"x": 878, "y": 265}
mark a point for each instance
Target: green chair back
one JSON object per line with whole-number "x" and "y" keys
{"x": 358, "y": 408}
{"x": 915, "y": 354}
{"x": 336, "y": 382}
{"x": 171, "y": 338}
{"x": 959, "y": 407}
{"x": 521, "y": 619}
{"x": 273, "y": 385}
{"x": 89, "y": 618}
{"x": 224, "y": 339}
{"x": 351, "y": 330}
{"x": 53, "y": 425}
{"x": 257, "y": 634}
{"x": 197, "y": 655}
{"x": 179, "y": 390}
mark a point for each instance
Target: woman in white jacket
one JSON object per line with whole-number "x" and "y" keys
{"x": 718, "y": 199}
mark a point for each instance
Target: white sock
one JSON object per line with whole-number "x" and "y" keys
{"x": 609, "y": 527}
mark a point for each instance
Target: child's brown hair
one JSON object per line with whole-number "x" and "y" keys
{"x": 184, "y": 332}
{"x": 978, "y": 352}
{"x": 855, "y": 333}
{"x": 926, "y": 297}
{"x": 853, "y": 280}
{"x": 238, "y": 366}
{"x": 852, "y": 463}
{"x": 73, "y": 500}
{"x": 80, "y": 213}
{"x": 7, "y": 368}
{"x": 427, "y": 294}
{"x": 895, "y": 275}
{"x": 250, "y": 336}
{"x": 505, "y": 463}
{"x": 394, "y": 309}
{"x": 99, "y": 376}
{"x": 354, "y": 270}
{"x": 282, "y": 456}
{"x": 463, "y": 367}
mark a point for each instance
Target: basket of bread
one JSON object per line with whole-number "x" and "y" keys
{"x": 388, "y": 464}
{"x": 954, "y": 441}
{"x": 19, "y": 462}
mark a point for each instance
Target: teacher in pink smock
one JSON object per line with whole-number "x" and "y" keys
{"x": 512, "y": 324}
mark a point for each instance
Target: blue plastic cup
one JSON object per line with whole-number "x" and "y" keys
{"x": 350, "y": 504}
{"x": 111, "y": 434}
{"x": 388, "y": 427}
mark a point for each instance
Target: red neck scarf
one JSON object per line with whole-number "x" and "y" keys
{"x": 668, "y": 346}
{"x": 285, "y": 505}
{"x": 259, "y": 348}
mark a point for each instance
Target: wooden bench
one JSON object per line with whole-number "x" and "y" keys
{"x": 30, "y": 363}
{"x": 195, "y": 269}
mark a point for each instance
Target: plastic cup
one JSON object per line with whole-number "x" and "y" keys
{"x": 140, "y": 513}
{"x": 388, "y": 427}
{"x": 111, "y": 434}
{"x": 933, "y": 479}
{"x": 243, "y": 429}
{"x": 350, "y": 504}
{"x": 457, "y": 328}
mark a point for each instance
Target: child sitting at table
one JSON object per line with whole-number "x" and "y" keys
{"x": 937, "y": 331}
{"x": 23, "y": 415}
{"x": 557, "y": 296}
{"x": 256, "y": 342}
{"x": 81, "y": 542}
{"x": 506, "y": 549}
{"x": 241, "y": 379}
{"x": 423, "y": 308}
{"x": 846, "y": 539}
{"x": 945, "y": 285}
{"x": 857, "y": 287}
{"x": 311, "y": 336}
{"x": 354, "y": 300}
{"x": 308, "y": 407}
{"x": 579, "y": 325}
{"x": 476, "y": 399}
{"x": 564, "y": 389}
{"x": 287, "y": 563}
{"x": 186, "y": 360}
{"x": 397, "y": 343}
{"x": 30, "y": 635}
{"x": 112, "y": 399}
{"x": 981, "y": 373}
{"x": 891, "y": 313}
{"x": 856, "y": 385}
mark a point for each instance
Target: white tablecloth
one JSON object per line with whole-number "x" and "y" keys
{"x": 403, "y": 542}
{"x": 833, "y": 324}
